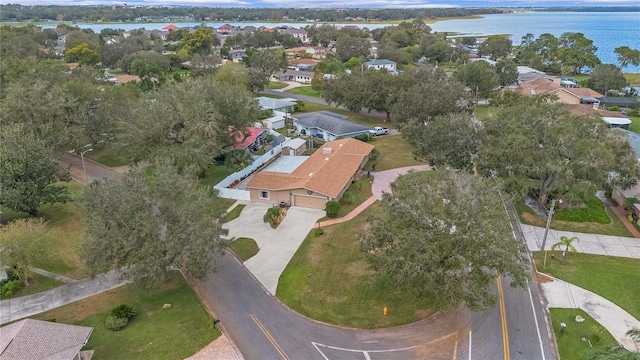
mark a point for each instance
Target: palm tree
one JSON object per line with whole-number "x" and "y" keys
{"x": 567, "y": 243}
{"x": 238, "y": 159}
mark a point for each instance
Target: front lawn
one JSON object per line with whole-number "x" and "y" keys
{"x": 361, "y": 190}
{"x": 635, "y": 124}
{"x": 306, "y": 90}
{"x": 106, "y": 156}
{"x": 276, "y": 85}
{"x": 329, "y": 279}
{"x": 616, "y": 227}
{"x": 234, "y": 213}
{"x": 38, "y": 284}
{"x": 593, "y": 211}
{"x": 244, "y": 248}
{"x": 64, "y": 236}
{"x": 571, "y": 345}
{"x": 395, "y": 152}
{"x": 614, "y": 278}
{"x": 155, "y": 333}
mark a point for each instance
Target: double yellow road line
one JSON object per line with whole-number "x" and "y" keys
{"x": 503, "y": 319}
{"x": 269, "y": 337}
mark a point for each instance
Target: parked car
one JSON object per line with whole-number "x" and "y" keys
{"x": 379, "y": 130}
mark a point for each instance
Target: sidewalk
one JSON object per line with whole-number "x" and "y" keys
{"x": 561, "y": 294}
{"x": 21, "y": 307}
{"x": 382, "y": 181}
{"x": 588, "y": 243}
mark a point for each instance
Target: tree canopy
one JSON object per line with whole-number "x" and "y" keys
{"x": 542, "y": 141}
{"x": 445, "y": 234}
{"x": 607, "y": 77}
{"x": 147, "y": 225}
{"x": 28, "y": 171}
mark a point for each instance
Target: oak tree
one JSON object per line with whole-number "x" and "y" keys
{"x": 445, "y": 234}
{"x": 148, "y": 225}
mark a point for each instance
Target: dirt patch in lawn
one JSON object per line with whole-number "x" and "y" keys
{"x": 360, "y": 269}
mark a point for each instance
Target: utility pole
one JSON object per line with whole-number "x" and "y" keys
{"x": 546, "y": 231}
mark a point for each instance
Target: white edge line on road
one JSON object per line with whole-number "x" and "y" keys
{"x": 470, "y": 332}
{"x": 365, "y": 351}
{"x": 535, "y": 318}
{"x": 315, "y": 345}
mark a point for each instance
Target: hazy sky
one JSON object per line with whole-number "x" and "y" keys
{"x": 334, "y": 3}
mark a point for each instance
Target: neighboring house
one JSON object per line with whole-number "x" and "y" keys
{"x": 296, "y": 51}
{"x": 279, "y": 110}
{"x": 318, "y": 52}
{"x": 324, "y": 176}
{"x": 294, "y": 147}
{"x": 301, "y": 64}
{"x": 379, "y": 64}
{"x": 123, "y": 79}
{"x": 303, "y": 77}
{"x": 300, "y": 34}
{"x": 250, "y": 139}
{"x": 36, "y": 339}
{"x": 612, "y": 118}
{"x": 170, "y": 27}
{"x": 629, "y": 102}
{"x": 237, "y": 55}
{"x": 225, "y": 28}
{"x": 620, "y": 195}
{"x": 327, "y": 125}
{"x": 548, "y": 85}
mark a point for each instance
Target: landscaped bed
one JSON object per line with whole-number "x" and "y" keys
{"x": 571, "y": 345}
{"x": 614, "y": 278}
{"x": 154, "y": 333}
{"x": 308, "y": 285}
{"x": 615, "y": 227}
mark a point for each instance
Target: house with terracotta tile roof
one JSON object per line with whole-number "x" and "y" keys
{"x": 36, "y": 339}
{"x": 225, "y": 28}
{"x": 170, "y": 27}
{"x": 612, "y": 118}
{"x": 324, "y": 176}
{"x": 548, "y": 85}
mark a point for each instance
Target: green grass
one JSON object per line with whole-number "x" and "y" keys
{"x": 593, "y": 211}
{"x": 486, "y": 112}
{"x": 155, "y": 333}
{"x": 616, "y": 227}
{"x": 234, "y": 213}
{"x": 214, "y": 174}
{"x": 395, "y": 152}
{"x": 38, "y": 284}
{"x": 106, "y": 156}
{"x": 276, "y": 85}
{"x": 64, "y": 236}
{"x": 244, "y": 248}
{"x": 570, "y": 344}
{"x": 614, "y": 278}
{"x": 306, "y": 90}
{"x": 361, "y": 191}
{"x": 309, "y": 283}
{"x": 635, "y": 124}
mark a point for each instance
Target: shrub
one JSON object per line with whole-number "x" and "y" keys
{"x": 363, "y": 137}
{"x": 634, "y": 112}
{"x": 318, "y": 232}
{"x": 332, "y": 208}
{"x": 116, "y": 323}
{"x": 273, "y": 216}
{"x": 592, "y": 212}
{"x": 124, "y": 311}
{"x": 349, "y": 197}
{"x": 615, "y": 108}
{"x": 11, "y": 287}
{"x": 374, "y": 154}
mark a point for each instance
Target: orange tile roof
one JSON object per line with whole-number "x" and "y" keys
{"x": 583, "y": 92}
{"x": 324, "y": 173}
{"x": 123, "y": 79}
{"x": 586, "y": 109}
{"x": 541, "y": 86}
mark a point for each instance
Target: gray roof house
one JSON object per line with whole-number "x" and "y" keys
{"x": 377, "y": 64}
{"x": 36, "y": 339}
{"x": 327, "y": 125}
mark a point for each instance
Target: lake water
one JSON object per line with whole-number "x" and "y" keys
{"x": 608, "y": 30}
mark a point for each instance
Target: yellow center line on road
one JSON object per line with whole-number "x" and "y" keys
{"x": 269, "y": 337}
{"x": 503, "y": 319}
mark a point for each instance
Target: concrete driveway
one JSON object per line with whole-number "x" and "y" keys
{"x": 277, "y": 246}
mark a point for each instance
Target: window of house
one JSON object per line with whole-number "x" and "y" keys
{"x": 264, "y": 194}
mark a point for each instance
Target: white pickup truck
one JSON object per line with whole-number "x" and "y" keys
{"x": 379, "y": 130}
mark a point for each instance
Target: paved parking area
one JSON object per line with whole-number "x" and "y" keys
{"x": 277, "y": 246}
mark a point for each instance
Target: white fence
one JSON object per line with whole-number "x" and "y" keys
{"x": 237, "y": 194}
